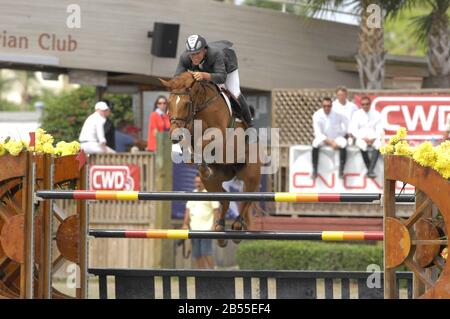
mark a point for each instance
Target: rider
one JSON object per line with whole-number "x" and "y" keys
{"x": 214, "y": 62}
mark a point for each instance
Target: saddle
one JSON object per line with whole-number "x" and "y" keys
{"x": 236, "y": 113}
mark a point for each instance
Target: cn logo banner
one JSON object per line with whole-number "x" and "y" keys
{"x": 114, "y": 177}
{"x": 328, "y": 181}
{"x": 424, "y": 116}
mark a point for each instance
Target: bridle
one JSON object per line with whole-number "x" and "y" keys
{"x": 193, "y": 110}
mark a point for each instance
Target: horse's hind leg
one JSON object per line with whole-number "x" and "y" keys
{"x": 213, "y": 183}
{"x": 250, "y": 175}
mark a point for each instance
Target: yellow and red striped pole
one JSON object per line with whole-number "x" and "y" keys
{"x": 205, "y": 196}
{"x": 195, "y": 234}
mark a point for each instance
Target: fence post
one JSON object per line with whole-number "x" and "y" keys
{"x": 163, "y": 248}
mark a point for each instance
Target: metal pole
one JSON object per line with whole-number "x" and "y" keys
{"x": 253, "y": 235}
{"x": 45, "y": 274}
{"x": 216, "y": 196}
{"x": 82, "y": 210}
{"x": 28, "y": 266}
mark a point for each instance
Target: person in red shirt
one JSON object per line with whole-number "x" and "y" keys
{"x": 158, "y": 122}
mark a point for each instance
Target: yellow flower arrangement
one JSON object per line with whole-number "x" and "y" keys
{"x": 425, "y": 154}
{"x": 387, "y": 149}
{"x": 14, "y": 147}
{"x": 43, "y": 145}
{"x": 403, "y": 148}
{"x": 442, "y": 164}
{"x": 64, "y": 148}
{"x": 401, "y": 134}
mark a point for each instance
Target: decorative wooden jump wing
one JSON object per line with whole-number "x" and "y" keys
{"x": 418, "y": 241}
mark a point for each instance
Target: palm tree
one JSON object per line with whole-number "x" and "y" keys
{"x": 371, "y": 54}
{"x": 433, "y": 29}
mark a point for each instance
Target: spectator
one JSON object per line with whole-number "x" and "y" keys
{"x": 199, "y": 215}
{"x": 367, "y": 128}
{"x": 329, "y": 129}
{"x": 109, "y": 127}
{"x": 342, "y": 105}
{"x": 125, "y": 141}
{"x": 158, "y": 122}
{"x": 92, "y": 135}
{"x": 447, "y": 129}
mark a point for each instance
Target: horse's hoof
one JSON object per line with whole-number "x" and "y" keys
{"x": 220, "y": 226}
{"x": 238, "y": 226}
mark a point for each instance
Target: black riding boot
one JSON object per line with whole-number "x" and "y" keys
{"x": 245, "y": 111}
{"x": 366, "y": 159}
{"x": 342, "y": 160}
{"x": 315, "y": 161}
{"x": 373, "y": 162}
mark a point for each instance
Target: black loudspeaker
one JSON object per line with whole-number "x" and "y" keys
{"x": 165, "y": 39}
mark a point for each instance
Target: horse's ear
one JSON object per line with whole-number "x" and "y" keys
{"x": 166, "y": 84}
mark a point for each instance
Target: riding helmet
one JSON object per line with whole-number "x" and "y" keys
{"x": 195, "y": 43}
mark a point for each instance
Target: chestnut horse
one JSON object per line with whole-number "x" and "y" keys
{"x": 191, "y": 100}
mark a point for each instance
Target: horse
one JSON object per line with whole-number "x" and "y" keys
{"x": 191, "y": 100}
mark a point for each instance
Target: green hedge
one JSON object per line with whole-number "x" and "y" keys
{"x": 308, "y": 255}
{"x": 65, "y": 113}
{"x": 6, "y": 105}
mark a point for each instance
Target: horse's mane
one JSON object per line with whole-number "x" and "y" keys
{"x": 184, "y": 81}
{"x": 181, "y": 81}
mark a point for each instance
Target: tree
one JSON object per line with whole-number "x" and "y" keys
{"x": 5, "y": 84}
{"x": 267, "y": 4}
{"x": 29, "y": 83}
{"x": 371, "y": 54}
{"x": 64, "y": 114}
{"x": 433, "y": 29}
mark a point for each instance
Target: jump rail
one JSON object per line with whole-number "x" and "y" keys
{"x": 205, "y": 196}
{"x": 193, "y": 234}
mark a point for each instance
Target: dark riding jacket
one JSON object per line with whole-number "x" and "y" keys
{"x": 219, "y": 61}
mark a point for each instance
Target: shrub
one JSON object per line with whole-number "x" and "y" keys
{"x": 64, "y": 114}
{"x": 6, "y": 105}
{"x": 308, "y": 255}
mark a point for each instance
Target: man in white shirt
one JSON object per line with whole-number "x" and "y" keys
{"x": 329, "y": 129}
{"x": 367, "y": 128}
{"x": 200, "y": 215}
{"x": 344, "y": 106}
{"x": 92, "y": 135}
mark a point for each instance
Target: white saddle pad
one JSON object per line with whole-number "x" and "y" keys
{"x": 227, "y": 100}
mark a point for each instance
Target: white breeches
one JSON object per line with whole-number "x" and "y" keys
{"x": 341, "y": 141}
{"x": 232, "y": 83}
{"x": 362, "y": 145}
{"x": 94, "y": 148}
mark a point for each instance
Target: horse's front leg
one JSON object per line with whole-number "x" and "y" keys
{"x": 220, "y": 222}
{"x": 213, "y": 151}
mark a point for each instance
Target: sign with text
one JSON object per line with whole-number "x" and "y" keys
{"x": 328, "y": 181}
{"x": 114, "y": 177}
{"x": 424, "y": 116}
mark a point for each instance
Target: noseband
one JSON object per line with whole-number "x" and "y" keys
{"x": 192, "y": 109}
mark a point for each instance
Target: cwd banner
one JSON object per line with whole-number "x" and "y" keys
{"x": 114, "y": 177}
{"x": 328, "y": 181}
{"x": 424, "y": 115}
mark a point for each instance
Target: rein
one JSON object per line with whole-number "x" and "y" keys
{"x": 193, "y": 109}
